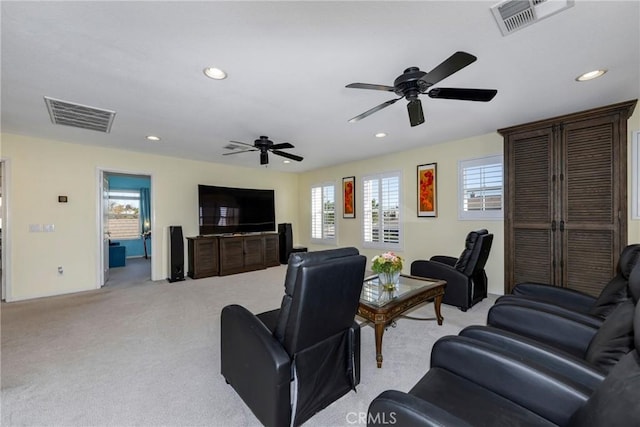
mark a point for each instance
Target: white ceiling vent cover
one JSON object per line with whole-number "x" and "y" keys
{"x": 79, "y": 116}
{"x": 512, "y": 15}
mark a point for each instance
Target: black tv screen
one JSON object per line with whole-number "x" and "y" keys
{"x": 225, "y": 210}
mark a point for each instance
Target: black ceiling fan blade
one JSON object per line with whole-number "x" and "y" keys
{"x": 482, "y": 95}
{"x": 238, "y": 152}
{"x": 416, "y": 116}
{"x": 287, "y": 155}
{"x": 243, "y": 143}
{"x": 370, "y": 86}
{"x": 281, "y": 146}
{"x": 373, "y": 110}
{"x": 454, "y": 63}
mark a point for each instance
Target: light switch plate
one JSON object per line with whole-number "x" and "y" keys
{"x": 48, "y": 228}
{"x": 35, "y": 228}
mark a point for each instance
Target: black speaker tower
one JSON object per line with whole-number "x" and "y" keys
{"x": 286, "y": 242}
{"x": 176, "y": 254}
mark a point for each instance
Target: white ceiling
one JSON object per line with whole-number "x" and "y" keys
{"x": 288, "y": 64}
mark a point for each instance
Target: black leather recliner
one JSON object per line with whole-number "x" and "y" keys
{"x": 567, "y": 301}
{"x": 601, "y": 345}
{"x": 465, "y": 275}
{"x": 474, "y": 383}
{"x": 608, "y": 345}
{"x": 287, "y": 364}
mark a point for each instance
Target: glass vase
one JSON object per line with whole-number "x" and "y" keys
{"x": 389, "y": 280}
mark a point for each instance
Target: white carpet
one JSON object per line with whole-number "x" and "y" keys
{"x": 148, "y": 355}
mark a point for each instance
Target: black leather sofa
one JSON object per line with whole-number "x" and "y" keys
{"x": 289, "y": 363}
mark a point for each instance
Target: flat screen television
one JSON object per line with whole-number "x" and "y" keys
{"x": 225, "y": 210}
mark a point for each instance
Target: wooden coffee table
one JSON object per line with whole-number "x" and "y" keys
{"x": 381, "y": 307}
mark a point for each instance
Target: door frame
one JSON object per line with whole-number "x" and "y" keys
{"x": 100, "y": 173}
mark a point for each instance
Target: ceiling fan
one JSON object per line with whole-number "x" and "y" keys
{"x": 414, "y": 82}
{"x": 264, "y": 145}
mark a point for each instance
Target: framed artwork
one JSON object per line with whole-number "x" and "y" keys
{"x": 427, "y": 190}
{"x": 349, "y": 197}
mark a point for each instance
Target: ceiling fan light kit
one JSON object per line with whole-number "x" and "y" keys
{"x": 413, "y": 82}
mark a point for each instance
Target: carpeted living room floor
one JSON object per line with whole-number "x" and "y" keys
{"x": 148, "y": 355}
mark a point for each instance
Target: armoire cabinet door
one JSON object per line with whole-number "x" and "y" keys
{"x": 594, "y": 169}
{"x": 529, "y": 209}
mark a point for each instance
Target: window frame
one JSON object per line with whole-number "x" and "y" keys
{"x": 485, "y": 161}
{"x": 324, "y": 240}
{"x": 364, "y": 209}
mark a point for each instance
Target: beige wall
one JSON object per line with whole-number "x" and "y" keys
{"x": 423, "y": 237}
{"x": 40, "y": 170}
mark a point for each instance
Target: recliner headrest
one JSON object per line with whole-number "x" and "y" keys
{"x": 465, "y": 263}
{"x": 628, "y": 259}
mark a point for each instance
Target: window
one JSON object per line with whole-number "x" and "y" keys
{"x": 480, "y": 188}
{"x": 323, "y": 213}
{"x": 124, "y": 214}
{"x": 381, "y": 211}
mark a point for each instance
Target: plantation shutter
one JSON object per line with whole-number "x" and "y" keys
{"x": 381, "y": 211}
{"x": 316, "y": 213}
{"x": 390, "y": 196}
{"x": 370, "y": 207}
{"x": 481, "y": 182}
{"x": 329, "y": 212}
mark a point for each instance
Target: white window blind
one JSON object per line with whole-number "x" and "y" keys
{"x": 323, "y": 212}
{"x": 381, "y": 211}
{"x": 480, "y": 188}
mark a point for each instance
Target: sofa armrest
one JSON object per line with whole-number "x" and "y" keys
{"x": 394, "y": 407}
{"x": 552, "y": 396}
{"x": 255, "y": 364}
{"x": 570, "y": 298}
{"x": 550, "y": 307}
{"x": 539, "y": 353}
{"x": 568, "y": 334}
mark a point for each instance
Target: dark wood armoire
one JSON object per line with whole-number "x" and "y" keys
{"x": 566, "y": 198}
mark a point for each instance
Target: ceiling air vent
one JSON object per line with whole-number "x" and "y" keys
{"x": 512, "y": 15}
{"x": 79, "y": 116}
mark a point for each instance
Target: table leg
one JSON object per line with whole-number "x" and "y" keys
{"x": 379, "y": 331}
{"x": 436, "y": 305}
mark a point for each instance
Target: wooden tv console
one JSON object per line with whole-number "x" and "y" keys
{"x": 222, "y": 255}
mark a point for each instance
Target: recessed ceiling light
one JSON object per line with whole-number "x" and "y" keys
{"x": 380, "y": 135}
{"x": 286, "y": 161}
{"x": 215, "y": 73}
{"x": 590, "y": 75}
{"x": 153, "y": 138}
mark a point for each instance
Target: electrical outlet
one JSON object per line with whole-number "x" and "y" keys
{"x": 60, "y": 270}
{"x": 35, "y": 228}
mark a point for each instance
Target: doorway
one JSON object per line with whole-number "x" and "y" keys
{"x": 126, "y": 224}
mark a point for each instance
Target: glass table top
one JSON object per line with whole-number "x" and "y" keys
{"x": 374, "y": 294}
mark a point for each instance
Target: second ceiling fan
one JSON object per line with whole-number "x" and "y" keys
{"x": 414, "y": 82}
{"x": 264, "y": 145}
